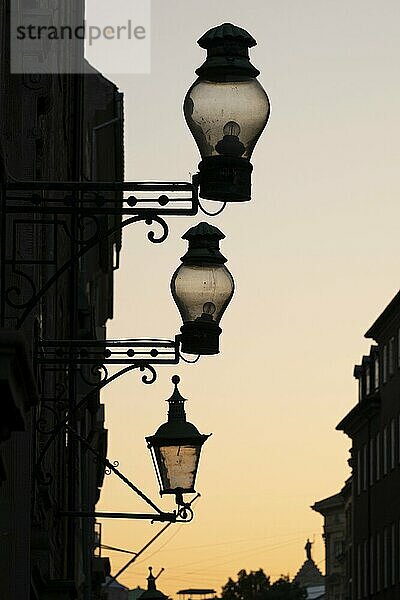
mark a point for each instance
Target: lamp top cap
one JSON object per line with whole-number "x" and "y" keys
{"x": 226, "y": 32}
{"x": 203, "y": 245}
{"x": 204, "y": 230}
{"x": 227, "y": 54}
{"x": 177, "y": 430}
{"x": 176, "y": 397}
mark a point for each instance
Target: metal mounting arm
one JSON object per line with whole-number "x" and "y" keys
{"x": 95, "y": 355}
{"x": 184, "y": 513}
{"x": 98, "y": 198}
{"x": 98, "y": 353}
{"x": 74, "y": 216}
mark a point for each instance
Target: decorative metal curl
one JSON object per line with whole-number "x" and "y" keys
{"x": 148, "y": 380}
{"x": 108, "y": 471}
{"x": 185, "y": 514}
{"x": 83, "y": 223}
{"x": 60, "y": 389}
{"x": 165, "y": 230}
{"x": 81, "y": 226}
{"x": 15, "y": 289}
{"x": 98, "y": 371}
{"x": 42, "y": 424}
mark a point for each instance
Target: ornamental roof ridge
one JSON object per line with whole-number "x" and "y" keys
{"x": 309, "y": 575}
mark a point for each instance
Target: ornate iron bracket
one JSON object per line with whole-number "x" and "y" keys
{"x": 97, "y": 198}
{"x": 183, "y": 514}
{"x": 77, "y": 216}
{"x": 96, "y": 355}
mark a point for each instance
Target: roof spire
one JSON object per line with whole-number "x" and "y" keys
{"x": 151, "y": 580}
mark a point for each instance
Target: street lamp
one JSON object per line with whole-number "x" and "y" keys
{"x": 202, "y": 288}
{"x": 175, "y": 449}
{"x": 226, "y": 110}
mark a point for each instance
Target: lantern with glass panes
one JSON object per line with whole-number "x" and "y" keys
{"x": 175, "y": 449}
{"x": 226, "y": 110}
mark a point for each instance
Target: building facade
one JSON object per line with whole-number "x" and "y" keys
{"x": 53, "y": 128}
{"x": 336, "y": 511}
{"x": 373, "y": 426}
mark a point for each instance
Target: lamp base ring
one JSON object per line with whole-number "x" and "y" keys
{"x": 225, "y": 178}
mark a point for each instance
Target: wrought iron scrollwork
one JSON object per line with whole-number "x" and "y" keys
{"x": 152, "y": 235}
{"x": 97, "y": 354}
{"x": 185, "y": 514}
{"x": 86, "y": 214}
{"x": 108, "y": 471}
{"x": 43, "y": 424}
{"x": 17, "y": 291}
{"x": 136, "y": 354}
{"x": 98, "y": 373}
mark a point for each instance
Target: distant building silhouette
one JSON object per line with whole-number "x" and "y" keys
{"x": 115, "y": 591}
{"x": 152, "y": 593}
{"x": 362, "y": 522}
{"x": 374, "y": 428}
{"x": 135, "y": 593}
{"x": 310, "y": 577}
{"x": 336, "y": 511}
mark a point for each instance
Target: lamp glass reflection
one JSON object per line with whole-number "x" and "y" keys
{"x": 226, "y": 111}
{"x": 202, "y": 291}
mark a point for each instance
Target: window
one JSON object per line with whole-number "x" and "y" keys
{"x": 358, "y": 472}
{"x": 367, "y": 380}
{"x": 385, "y": 451}
{"x": 385, "y": 558}
{"x": 371, "y": 564}
{"x": 398, "y": 548}
{"x": 365, "y": 569}
{"x": 384, "y": 366}
{"x": 398, "y": 348}
{"x": 376, "y": 372}
{"x": 371, "y": 461}
{"x": 392, "y": 444}
{"x": 391, "y": 356}
{"x": 378, "y": 562}
{"x": 398, "y": 439}
{"x": 378, "y": 456}
{"x": 365, "y": 463}
{"x": 393, "y": 555}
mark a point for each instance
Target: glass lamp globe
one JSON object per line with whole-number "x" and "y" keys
{"x": 226, "y": 110}
{"x": 202, "y": 288}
